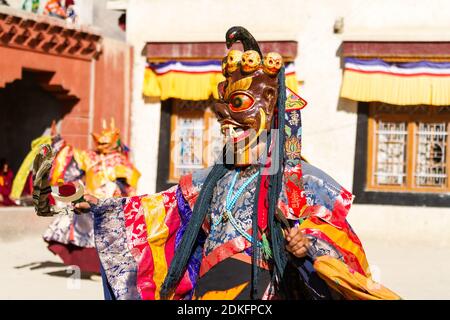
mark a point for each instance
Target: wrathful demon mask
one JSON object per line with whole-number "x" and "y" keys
{"x": 249, "y": 94}
{"x": 108, "y": 140}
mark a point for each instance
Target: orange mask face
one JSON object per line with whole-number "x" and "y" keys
{"x": 108, "y": 141}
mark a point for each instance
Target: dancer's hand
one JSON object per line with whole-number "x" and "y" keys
{"x": 86, "y": 205}
{"x": 297, "y": 243}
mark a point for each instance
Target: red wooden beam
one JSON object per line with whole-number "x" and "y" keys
{"x": 211, "y": 50}
{"x": 396, "y": 49}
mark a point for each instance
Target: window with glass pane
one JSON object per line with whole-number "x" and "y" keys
{"x": 391, "y": 153}
{"x": 196, "y": 140}
{"x": 408, "y": 148}
{"x": 189, "y": 146}
{"x": 431, "y": 164}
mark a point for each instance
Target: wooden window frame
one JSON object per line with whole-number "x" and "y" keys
{"x": 170, "y": 110}
{"x": 363, "y": 195}
{"x": 178, "y": 112}
{"x": 412, "y": 120}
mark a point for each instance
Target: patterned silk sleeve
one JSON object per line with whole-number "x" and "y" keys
{"x": 136, "y": 238}
{"x": 113, "y": 248}
{"x": 335, "y": 255}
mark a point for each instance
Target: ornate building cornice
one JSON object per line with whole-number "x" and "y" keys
{"x": 35, "y": 32}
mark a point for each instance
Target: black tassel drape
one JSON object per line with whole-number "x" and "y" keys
{"x": 202, "y": 206}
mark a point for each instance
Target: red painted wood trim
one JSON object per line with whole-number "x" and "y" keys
{"x": 211, "y": 50}
{"x": 395, "y": 49}
{"x": 38, "y": 33}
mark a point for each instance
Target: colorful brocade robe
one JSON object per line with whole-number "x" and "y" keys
{"x": 104, "y": 171}
{"x": 6, "y": 179}
{"x": 137, "y": 237}
{"x": 110, "y": 175}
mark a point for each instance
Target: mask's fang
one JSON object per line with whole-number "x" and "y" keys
{"x": 233, "y": 132}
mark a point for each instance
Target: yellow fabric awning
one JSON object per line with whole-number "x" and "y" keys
{"x": 398, "y": 84}
{"x": 192, "y": 80}
{"x": 181, "y": 85}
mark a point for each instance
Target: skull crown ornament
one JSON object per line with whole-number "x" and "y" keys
{"x": 250, "y": 61}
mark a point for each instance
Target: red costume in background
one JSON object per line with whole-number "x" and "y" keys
{"x": 6, "y": 179}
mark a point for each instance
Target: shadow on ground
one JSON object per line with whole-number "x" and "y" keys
{"x": 41, "y": 265}
{"x": 68, "y": 271}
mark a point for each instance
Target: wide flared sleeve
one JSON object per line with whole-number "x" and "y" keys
{"x": 336, "y": 254}
{"x": 136, "y": 239}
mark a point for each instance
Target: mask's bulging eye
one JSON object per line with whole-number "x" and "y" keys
{"x": 240, "y": 102}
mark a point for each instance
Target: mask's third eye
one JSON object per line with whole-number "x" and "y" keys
{"x": 240, "y": 102}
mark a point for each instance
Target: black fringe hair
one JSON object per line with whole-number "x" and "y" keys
{"x": 178, "y": 266}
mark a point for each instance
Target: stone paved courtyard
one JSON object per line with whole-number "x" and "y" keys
{"x": 29, "y": 271}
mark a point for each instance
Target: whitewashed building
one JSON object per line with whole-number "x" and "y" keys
{"x": 389, "y": 146}
{"x": 377, "y": 81}
{"x": 376, "y": 76}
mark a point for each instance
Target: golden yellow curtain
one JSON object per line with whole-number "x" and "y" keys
{"x": 186, "y": 86}
{"x": 422, "y": 82}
